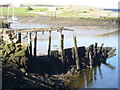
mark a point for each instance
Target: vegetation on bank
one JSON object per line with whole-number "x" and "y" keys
{"x": 12, "y": 50}
{"x": 60, "y": 12}
{"x": 21, "y": 11}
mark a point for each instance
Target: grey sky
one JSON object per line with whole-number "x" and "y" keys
{"x": 96, "y": 3}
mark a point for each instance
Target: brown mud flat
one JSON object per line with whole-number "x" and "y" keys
{"x": 86, "y": 27}
{"x": 72, "y": 22}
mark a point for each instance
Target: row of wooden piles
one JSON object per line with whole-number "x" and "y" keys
{"x": 82, "y": 57}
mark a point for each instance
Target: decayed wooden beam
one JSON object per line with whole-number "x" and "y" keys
{"x": 76, "y": 53}
{"x": 62, "y": 46}
{"x": 35, "y": 44}
{"x": 36, "y": 29}
{"x": 49, "y": 44}
{"x": 91, "y": 55}
{"x": 90, "y": 58}
{"x": 42, "y": 29}
{"x": 30, "y": 43}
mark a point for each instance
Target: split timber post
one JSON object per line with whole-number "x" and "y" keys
{"x": 35, "y": 43}
{"x": 95, "y": 50}
{"x": 90, "y": 58}
{"x": 76, "y": 53}
{"x": 91, "y": 55}
{"x": 61, "y": 45}
{"x": 49, "y": 46}
{"x": 30, "y": 42}
{"x": 19, "y": 37}
{"x": 95, "y": 53}
{"x": 100, "y": 51}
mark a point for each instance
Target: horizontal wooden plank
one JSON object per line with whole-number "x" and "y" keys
{"x": 37, "y": 29}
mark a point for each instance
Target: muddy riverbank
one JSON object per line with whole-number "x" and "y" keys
{"x": 82, "y": 26}
{"x": 80, "y": 23}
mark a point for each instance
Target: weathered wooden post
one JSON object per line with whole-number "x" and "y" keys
{"x": 95, "y": 52}
{"x": 49, "y": 44}
{"x": 76, "y": 53}
{"x": 19, "y": 37}
{"x": 101, "y": 47}
{"x": 100, "y": 51}
{"x": 90, "y": 58}
{"x": 61, "y": 45}
{"x": 30, "y": 42}
{"x": 91, "y": 54}
{"x": 35, "y": 43}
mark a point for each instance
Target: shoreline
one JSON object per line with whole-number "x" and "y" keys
{"x": 80, "y": 23}
{"x": 83, "y": 27}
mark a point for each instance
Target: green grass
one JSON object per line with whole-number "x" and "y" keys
{"x": 17, "y": 11}
{"x": 69, "y": 14}
{"x": 66, "y": 14}
{"x": 22, "y": 11}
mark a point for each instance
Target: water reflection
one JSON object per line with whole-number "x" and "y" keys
{"x": 87, "y": 77}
